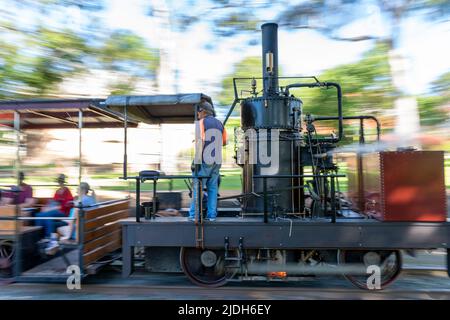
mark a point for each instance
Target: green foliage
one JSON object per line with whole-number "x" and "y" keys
{"x": 441, "y": 86}
{"x": 59, "y": 54}
{"x": 366, "y": 86}
{"x": 429, "y": 110}
{"x": 8, "y": 60}
{"x": 248, "y": 67}
{"x": 234, "y": 23}
{"x": 123, "y": 48}
{"x": 128, "y": 53}
{"x": 42, "y": 55}
{"x": 123, "y": 87}
{"x": 49, "y": 56}
{"x": 431, "y": 107}
{"x": 330, "y": 16}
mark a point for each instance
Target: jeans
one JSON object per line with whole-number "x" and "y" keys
{"x": 48, "y": 224}
{"x": 212, "y": 185}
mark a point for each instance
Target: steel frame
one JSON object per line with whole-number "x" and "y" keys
{"x": 282, "y": 234}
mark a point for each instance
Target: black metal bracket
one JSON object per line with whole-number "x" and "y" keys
{"x": 241, "y": 249}
{"x": 448, "y": 262}
{"x": 226, "y": 241}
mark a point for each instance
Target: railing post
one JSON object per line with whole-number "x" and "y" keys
{"x": 333, "y": 201}
{"x": 448, "y": 261}
{"x": 154, "y": 199}
{"x": 17, "y": 269}
{"x": 138, "y": 199}
{"x": 81, "y": 214}
{"x": 266, "y": 214}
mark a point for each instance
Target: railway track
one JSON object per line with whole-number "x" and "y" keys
{"x": 412, "y": 284}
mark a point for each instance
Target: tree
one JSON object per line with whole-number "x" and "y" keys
{"x": 8, "y": 61}
{"x": 247, "y": 67}
{"x": 367, "y": 86}
{"x": 58, "y": 54}
{"x": 329, "y": 17}
{"x": 127, "y": 53}
{"x": 38, "y": 55}
{"x": 432, "y": 107}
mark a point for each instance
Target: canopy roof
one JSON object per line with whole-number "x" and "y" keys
{"x": 156, "y": 109}
{"x": 60, "y": 113}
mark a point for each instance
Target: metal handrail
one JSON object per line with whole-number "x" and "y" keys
{"x": 289, "y": 176}
{"x": 102, "y": 203}
{"x": 35, "y": 218}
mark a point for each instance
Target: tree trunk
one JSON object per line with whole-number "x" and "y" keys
{"x": 166, "y": 76}
{"x": 407, "y": 121}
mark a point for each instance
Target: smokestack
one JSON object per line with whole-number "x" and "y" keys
{"x": 270, "y": 58}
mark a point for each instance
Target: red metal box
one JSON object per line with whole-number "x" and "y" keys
{"x": 404, "y": 186}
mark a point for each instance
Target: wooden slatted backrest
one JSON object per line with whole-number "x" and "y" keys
{"x": 102, "y": 230}
{"x": 42, "y": 201}
{"x": 8, "y": 211}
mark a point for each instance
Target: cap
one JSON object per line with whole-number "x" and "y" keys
{"x": 85, "y": 186}
{"x": 204, "y": 105}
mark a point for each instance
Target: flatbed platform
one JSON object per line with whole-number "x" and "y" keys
{"x": 349, "y": 233}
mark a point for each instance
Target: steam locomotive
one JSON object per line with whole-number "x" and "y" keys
{"x": 294, "y": 221}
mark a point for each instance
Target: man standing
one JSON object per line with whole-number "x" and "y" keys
{"x": 213, "y": 136}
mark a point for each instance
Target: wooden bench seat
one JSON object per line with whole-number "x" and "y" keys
{"x": 8, "y": 226}
{"x": 100, "y": 228}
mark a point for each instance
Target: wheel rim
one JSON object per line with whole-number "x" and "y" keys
{"x": 6, "y": 257}
{"x": 205, "y": 267}
{"x": 389, "y": 261}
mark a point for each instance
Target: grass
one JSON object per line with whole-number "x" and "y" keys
{"x": 231, "y": 180}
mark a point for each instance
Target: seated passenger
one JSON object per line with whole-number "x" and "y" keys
{"x": 63, "y": 196}
{"x": 21, "y": 194}
{"x": 49, "y": 225}
{"x": 84, "y": 200}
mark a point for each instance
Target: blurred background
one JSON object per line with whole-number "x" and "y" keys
{"x": 390, "y": 57}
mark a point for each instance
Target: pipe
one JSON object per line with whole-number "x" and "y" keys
{"x": 355, "y": 118}
{"x": 229, "y": 112}
{"x": 80, "y": 147}
{"x": 302, "y": 269}
{"x": 270, "y": 58}
{"x": 125, "y": 139}
{"x": 339, "y": 98}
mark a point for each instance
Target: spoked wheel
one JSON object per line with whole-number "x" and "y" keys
{"x": 389, "y": 261}
{"x": 6, "y": 258}
{"x": 206, "y": 268}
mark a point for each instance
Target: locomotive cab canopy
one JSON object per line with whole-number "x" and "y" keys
{"x": 155, "y": 109}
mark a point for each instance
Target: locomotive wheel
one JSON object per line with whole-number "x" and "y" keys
{"x": 390, "y": 262}
{"x": 206, "y": 267}
{"x": 6, "y": 257}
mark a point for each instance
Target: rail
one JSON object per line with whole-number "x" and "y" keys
{"x": 361, "y": 124}
{"x": 141, "y": 179}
